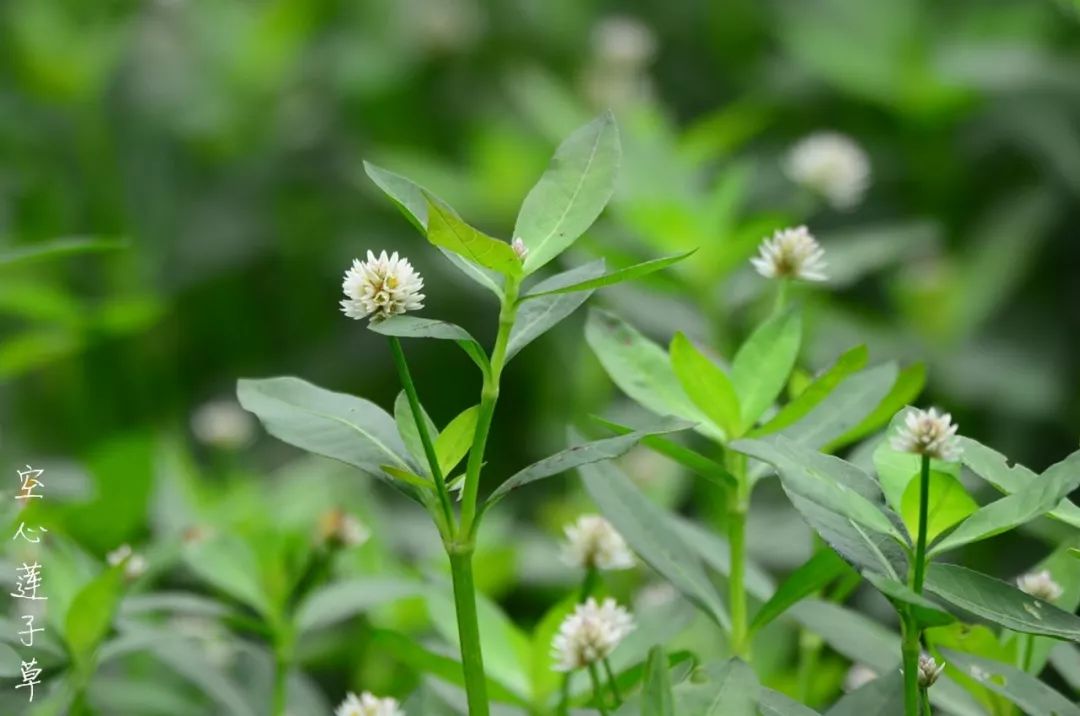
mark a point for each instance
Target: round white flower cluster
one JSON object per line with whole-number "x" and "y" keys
{"x": 367, "y": 704}
{"x": 134, "y": 563}
{"x": 928, "y": 432}
{"x": 832, "y": 165}
{"x": 592, "y": 543}
{"x": 1040, "y": 585}
{"x": 590, "y": 634}
{"x": 791, "y": 253}
{"x": 381, "y": 287}
{"x": 929, "y": 670}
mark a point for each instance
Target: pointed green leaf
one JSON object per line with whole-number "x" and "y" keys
{"x": 58, "y": 248}
{"x": 1024, "y": 690}
{"x": 706, "y": 384}
{"x": 907, "y": 387}
{"x": 91, "y": 614}
{"x": 1038, "y": 498}
{"x": 1000, "y": 603}
{"x": 849, "y": 362}
{"x": 447, "y": 230}
{"x": 949, "y": 503}
{"x": 571, "y": 193}
{"x": 229, "y": 565}
{"x": 408, "y": 196}
{"x": 811, "y": 576}
{"x": 774, "y": 703}
{"x": 657, "y": 699}
{"x": 883, "y": 696}
{"x": 763, "y": 363}
{"x": 536, "y": 317}
{"x": 624, "y": 274}
{"x": 730, "y": 689}
{"x": 926, "y": 612}
{"x": 410, "y": 436}
{"x": 408, "y": 477}
{"x": 341, "y": 600}
{"x": 456, "y": 439}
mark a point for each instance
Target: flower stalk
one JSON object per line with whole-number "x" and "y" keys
{"x": 924, "y": 511}
{"x": 598, "y": 690}
{"x": 738, "y": 506}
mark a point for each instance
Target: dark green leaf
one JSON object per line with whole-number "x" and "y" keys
{"x": 926, "y": 612}
{"x": 811, "y": 576}
{"x": 410, "y": 436}
{"x": 657, "y": 699}
{"x": 343, "y": 600}
{"x": 537, "y": 316}
{"x": 884, "y": 696}
{"x": 774, "y": 703}
{"x": 1024, "y": 690}
{"x": 904, "y": 391}
{"x": 618, "y": 276}
{"x": 56, "y": 249}
{"x": 849, "y": 362}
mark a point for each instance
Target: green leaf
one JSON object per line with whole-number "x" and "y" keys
{"x": 657, "y": 699}
{"x": 811, "y": 576}
{"x": 456, "y": 439}
{"x": 338, "y": 601}
{"x": 706, "y": 384}
{"x": 190, "y": 662}
{"x": 624, "y": 274}
{"x": 949, "y": 503}
{"x": 410, "y": 436}
{"x": 536, "y": 317}
{"x": 1024, "y": 690}
{"x": 926, "y": 612}
{"x": 578, "y": 455}
{"x": 91, "y": 614}
{"x": 897, "y": 470}
{"x": 1066, "y": 661}
{"x": 1000, "y": 603}
{"x": 1038, "y": 498}
{"x": 447, "y": 230}
{"x": 849, "y": 362}
{"x": 774, "y": 703}
{"x": 229, "y": 565}
{"x": 994, "y": 467}
{"x": 571, "y": 193}
{"x": 732, "y": 689}
{"x": 884, "y": 695}
{"x": 975, "y": 639}
{"x": 763, "y": 363}
{"x": 57, "y": 249}
{"x": 697, "y": 463}
{"x": 335, "y": 425}
{"x": 904, "y": 391}
{"x": 414, "y": 327}
{"x": 639, "y": 367}
{"x": 650, "y": 533}
{"x": 408, "y": 477}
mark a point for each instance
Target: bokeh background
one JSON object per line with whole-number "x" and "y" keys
{"x": 221, "y": 143}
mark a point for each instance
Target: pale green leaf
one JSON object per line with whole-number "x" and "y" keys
{"x": 814, "y": 574}
{"x": 948, "y": 504}
{"x": 907, "y": 387}
{"x": 341, "y": 600}
{"x": 57, "y": 248}
{"x": 618, "y": 276}
{"x": 884, "y": 696}
{"x": 762, "y": 365}
{"x": 849, "y": 362}
{"x": 657, "y": 699}
{"x": 537, "y": 316}
{"x": 410, "y": 435}
{"x": 456, "y": 438}
{"x": 706, "y": 384}
{"x": 447, "y": 230}
{"x": 91, "y": 614}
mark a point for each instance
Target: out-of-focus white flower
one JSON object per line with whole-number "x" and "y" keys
{"x": 212, "y": 639}
{"x": 519, "y": 247}
{"x": 381, "y": 287}
{"x": 367, "y": 704}
{"x": 791, "y": 253}
{"x": 590, "y": 634}
{"x": 655, "y": 595}
{"x": 134, "y": 563}
{"x": 341, "y": 528}
{"x": 623, "y": 41}
{"x": 592, "y": 543}
{"x": 929, "y": 670}
{"x": 832, "y": 165}
{"x": 223, "y": 424}
{"x": 1040, "y": 584}
{"x": 858, "y": 675}
{"x": 928, "y": 432}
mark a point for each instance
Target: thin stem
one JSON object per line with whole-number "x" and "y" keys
{"x": 422, "y": 429}
{"x": 783, "y": 286}
{"x": 924, "y": 694}
{"x": 1026, "y": 646}
{"x": 598, "y": 691}
{"x": 738, "y": 505}
{"x": 488, "y": 397}
{"x": 588, "y": 585}
{"x": 613, "y": 683}
{"x": 282, "y": 665}
{"x": 810, "y": 646}
{"x": 924, "y": 508}
{"x": 910, "y": 652}
{"x": 472, "y": 659}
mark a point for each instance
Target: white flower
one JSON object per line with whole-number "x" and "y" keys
{"x": 368, "y": 705}
{"x": 927, "y": 432}
{"x": 929, "y": 671}
{"x": 590, "y": 634}
{"x": 592, "y": 542}
{"x": 519, "y": 247}
{"x": 832, "y": 165}
{"x": 791, "y": 253}
{"x": 340, "y": 527}
{"x": 381, "y": 287}
{"x": 223, "y": 424}
{"x": 134, "y": 563}
{"x": 858, "y": 675}
{"x": 623, "y": 42}
{"x": 1040, "y": 585}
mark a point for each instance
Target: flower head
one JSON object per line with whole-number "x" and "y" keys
{"x": 223, "y": 424}
{"x": 134, "y": 563}
{"x": 381, "y": 287}
{"x": 519, "y": 247}
{"x": 928, "y": 432}
{"x": 1040, "y": 584}
{"x": 791, "y": 253}
{"x": 342, "y": 529}
{"x": 929, "y": 671}
{"x": 832, "y": 165}
{"x": 590, "y": 634}
{"x": 857, "y": 676}
{"x": 368, "y": 705}
{"x": 592, "y": 543}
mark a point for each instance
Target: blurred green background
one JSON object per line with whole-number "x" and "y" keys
{"x": 222, "y": 142}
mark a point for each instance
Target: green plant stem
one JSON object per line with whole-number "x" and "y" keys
{"x": 924, "y": 509}
{"x": 472, "y": 660}
{"x": 810, "y": 645}
{"x": 588, "y": 585}
{"x": 924, "y": 694}
{"x": 489, "y": 395}
{"x": 783, "y": 288}
{"x": 738, "y": 505}
{"x": 1026, "y": 645}
{"x": 282, "y": 665}
{"x": 910, "y": 652}
{"x": 613, "y": 683}
{"x": 598, "y": 691}
{"x": 421, "y": 428}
